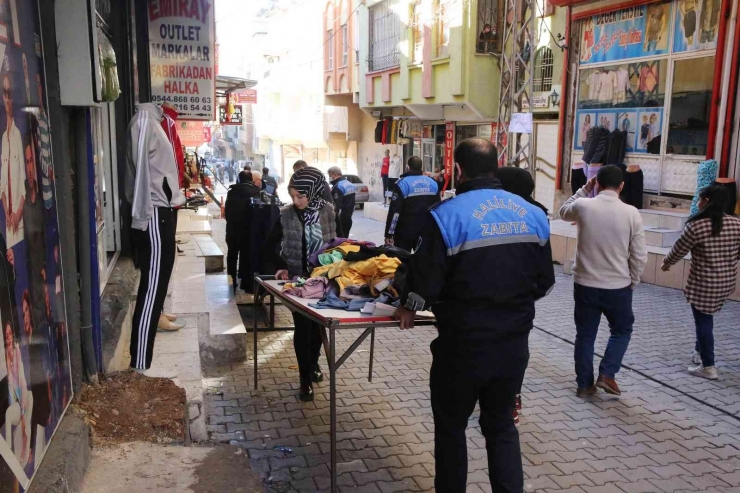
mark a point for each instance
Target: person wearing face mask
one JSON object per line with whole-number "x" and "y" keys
{"x": 713, "y": 238}
{"x": 301, "y": 231}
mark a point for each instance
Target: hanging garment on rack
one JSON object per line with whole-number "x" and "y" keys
{"x": 648, "y": 79}
{"x": 591, "y": 172}
{"x": 596, "y": 146}
{"x": 594, "y": 83}
{"x": 577, "y": 177}
{"x": 394, "y": 132}
{"x": 731, "y": 188}
{"x": 384, "y": 136}
{"x": 623, "y": 86}
{"x": 379, "y": 132}
{"x": 617, "y": 148}
{"x": 633, "y": 188}
{"x": 261, "y": 218}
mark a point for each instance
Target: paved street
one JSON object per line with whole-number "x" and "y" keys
{"x": 660, "y": 436}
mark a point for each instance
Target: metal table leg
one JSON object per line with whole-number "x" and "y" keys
{"x": 333, "y": 409}
{"x": 372, "y": 355}
{"x": 254, "y": 332}
{"x": 272, "y": 312}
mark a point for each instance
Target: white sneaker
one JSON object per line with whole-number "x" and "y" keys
{"x": 157, "y": 373}
{"x": 696, "y": 358}
{"x": 708, "y": 372}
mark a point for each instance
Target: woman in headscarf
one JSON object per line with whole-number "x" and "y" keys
{"x": 519, "y": 182}
{"x": 302, "y": 229}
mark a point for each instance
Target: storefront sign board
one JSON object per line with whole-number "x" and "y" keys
{"x": 35, "y": 383}
{"x": 247, "y": 96}
{"x": 182, "y": 56}
{"x": 191, "y": 133}
{"x": 632, "y": 32}
{"x": 234, "y": 118}
{"x": 449, "y": 148}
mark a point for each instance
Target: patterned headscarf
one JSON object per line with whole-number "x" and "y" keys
{"x": 309, "y": 182}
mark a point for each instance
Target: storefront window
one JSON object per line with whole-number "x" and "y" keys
{"x": 690, "y": 104}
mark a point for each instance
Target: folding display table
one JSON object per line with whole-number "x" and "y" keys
{"x": 330, "y": 320}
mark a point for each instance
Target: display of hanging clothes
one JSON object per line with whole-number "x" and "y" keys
{"x": 389, "y": 131}
{"x": 578, "y": 177}
{"x": 593, "y": 81}
{"x": 379, "y": 132}
{"x": 632, "y": 192}
{"x": 591, "y": 172}
{"x": 384, "y": 136}
{"x": 705, "y": 175}
{"x": 731, "y": 187}
{"x": 596, "y": 146}
{"x": 622, "y": 87}
{"x": 617, "y": 148}
{"x": 259, "y": 219}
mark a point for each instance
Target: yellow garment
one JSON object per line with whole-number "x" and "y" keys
{"x": 363, "y": 272}
{"x": 322, "y": 270}
{"x": 345, "y": 248}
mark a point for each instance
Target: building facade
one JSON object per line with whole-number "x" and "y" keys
{"x": 431, "y": 69}
{"x": 663, "y": 71}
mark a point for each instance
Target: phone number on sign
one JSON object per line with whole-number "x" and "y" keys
{"x": 181, "y": 99}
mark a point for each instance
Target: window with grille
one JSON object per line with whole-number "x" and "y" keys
{"x": 543, "y": 63}
{"x": 489, "y": 26}
{"x": 385, "y": 36}
{"x": 418, "y": 32}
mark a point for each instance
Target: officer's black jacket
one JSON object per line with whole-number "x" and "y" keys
{"x": 483, "y": 259}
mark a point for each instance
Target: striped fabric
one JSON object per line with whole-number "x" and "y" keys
{"x": 714, "y": 260}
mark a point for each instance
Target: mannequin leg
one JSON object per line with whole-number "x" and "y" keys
{"x": 157, "y": 261}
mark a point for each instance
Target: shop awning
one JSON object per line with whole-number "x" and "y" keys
{"x": 227, "y": 85}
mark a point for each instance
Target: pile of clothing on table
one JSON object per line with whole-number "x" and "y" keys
{"x": 354, "y": 276}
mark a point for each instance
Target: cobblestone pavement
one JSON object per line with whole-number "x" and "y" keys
{"x": 660, "y": 436}
{"x": 652, "y": 439}
{"x": 662, "y": 340}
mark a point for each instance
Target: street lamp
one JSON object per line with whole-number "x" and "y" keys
{"x": 555, "y": 98}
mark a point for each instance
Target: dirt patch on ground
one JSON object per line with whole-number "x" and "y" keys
{"x": 129, "y": 407}
{"x": 226, "y": 468}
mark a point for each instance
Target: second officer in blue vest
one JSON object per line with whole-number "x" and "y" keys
{"x": 483, "y": 259}
{"x": 413, "y": 195}
{"x": 343, "y": 193}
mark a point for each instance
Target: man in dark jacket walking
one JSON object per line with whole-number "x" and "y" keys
{"x": 412, "y": 197}
{"x": 343, "y": 192}
{"x": 237, "y": 201}
{"x": 483, "y": 259}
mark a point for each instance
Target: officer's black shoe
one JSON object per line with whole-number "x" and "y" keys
{"x": 317, "y": 376}
{"x": 306, "y": 394}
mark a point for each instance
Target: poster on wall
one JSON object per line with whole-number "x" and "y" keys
{"x": 650, "y": 123}
{"x": 628, "y": 33}
{"x": 35, "y": 384}
{"x": 182, "y": 56}
{"x": 624, "y": 120}
{"x": 696, "y": 24}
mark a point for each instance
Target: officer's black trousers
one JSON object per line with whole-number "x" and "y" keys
{"x": 464, "y": 373}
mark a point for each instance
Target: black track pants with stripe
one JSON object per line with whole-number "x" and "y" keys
{"x": 156, "y": 252}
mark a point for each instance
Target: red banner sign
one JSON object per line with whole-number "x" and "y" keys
{"x": 248, "y": 96}
{"x": 501, "y": 132}
{"x": 192, "y": 134}
{"x": 449, "y": 149}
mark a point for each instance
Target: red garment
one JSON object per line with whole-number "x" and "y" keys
{"x": 386, "y": 166}
{"x": 169, "y": 124}
{"x": 384, "y": 138}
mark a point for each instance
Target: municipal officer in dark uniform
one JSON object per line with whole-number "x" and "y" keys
{"x": 483, "y": 259}
{"x": 413, "y": 195}
{"x": 343, "y": 194}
